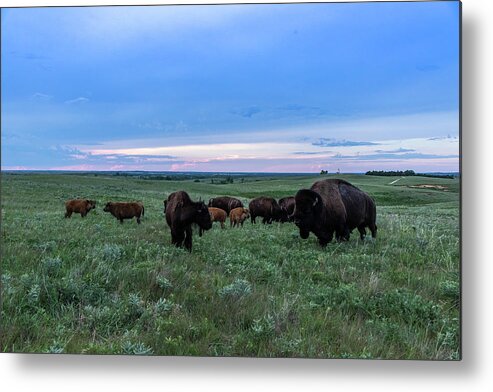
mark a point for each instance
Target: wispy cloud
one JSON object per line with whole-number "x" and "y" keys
{"x": 406, "y": 156}
{"x": 41, "y": 97}
{"x": 247, "y": 112}
{"x": 397, "y": 151}
{"x": 448, "y": 137}
{"x": 76, "y": 101}
{"x": 310, "y": 152}
{"x": 325, "y": 142}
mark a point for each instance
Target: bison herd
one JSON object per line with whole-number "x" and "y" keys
{"x": 329, "y": 207}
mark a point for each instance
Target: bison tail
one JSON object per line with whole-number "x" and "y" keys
{"x": 142, "y": 210}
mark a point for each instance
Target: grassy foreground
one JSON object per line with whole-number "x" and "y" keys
{"x": 94, "y": 286}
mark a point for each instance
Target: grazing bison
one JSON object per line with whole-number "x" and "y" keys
{"x": 287, "y": 208}
{"x": 333, "y": 206}
{"x": 237, "y": 216}
{"x": 123, "y": 211}
{"x": 266, "y": 207}
{"x": 181, "y": 213}
{"x": 225, "y": 203}
{"x": 79, "y": 206}
{"x": 217, "y": 215}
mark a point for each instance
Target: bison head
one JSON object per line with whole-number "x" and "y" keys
{"x": 107, "y": 207}
{"x": 91, "y": 204}
{"x": 165, "y": 202}
{"x": 202, "y": 216}
{"x": 307, "y": 211}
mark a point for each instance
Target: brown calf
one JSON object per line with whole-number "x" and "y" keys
{"x": 238, "y": 215}
{"x": 218, "y": 215}
{"x": 123, "y": 211}
{"x": 79, "y": 206}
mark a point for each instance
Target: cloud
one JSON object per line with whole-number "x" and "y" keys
{"x": 40, "y": 97}
{"x": 73, "y": 153}
{"x": 247, "y": 112}
{"x": 302, "y": 110}
{"x": 27, "y": 55}
{"x": 448, "y": 137}
{"x": 406, "y": 156}
{"x": 77, "y": 101}
{"x": 310, "y": 152}
{"x": 398, "y": 151}
{"x": 325, "y": 142}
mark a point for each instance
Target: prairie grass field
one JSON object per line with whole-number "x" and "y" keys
{"x": 94, "y": 286}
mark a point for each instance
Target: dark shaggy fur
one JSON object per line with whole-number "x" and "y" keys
{"x": 181, "y": 213}
{"x": 266, "y": 207}
{"x": 333, "y": 206}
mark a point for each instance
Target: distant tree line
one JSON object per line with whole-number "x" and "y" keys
{"x": 407, "y": 173}
{"x": 390, "y": 173}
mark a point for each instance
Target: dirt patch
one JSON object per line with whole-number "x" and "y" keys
{"x": 430, "y": 186}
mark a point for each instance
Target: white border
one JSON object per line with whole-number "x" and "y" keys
{"x": 80, "y": 373}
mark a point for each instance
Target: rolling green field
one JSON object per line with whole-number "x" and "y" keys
{"x": 95, "y": 286}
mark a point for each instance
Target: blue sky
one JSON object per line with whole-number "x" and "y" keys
{"x": 272, "y": 88}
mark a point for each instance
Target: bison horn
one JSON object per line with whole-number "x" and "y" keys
{"x": 315, "y": 202}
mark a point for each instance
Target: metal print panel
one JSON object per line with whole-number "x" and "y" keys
{"x": 248, "y": 180}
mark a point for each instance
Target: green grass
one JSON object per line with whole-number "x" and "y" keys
{"x": 94, "y": 286}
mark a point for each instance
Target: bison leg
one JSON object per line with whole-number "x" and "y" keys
{"x": 362, "y": 232}
{"x": 68, "y": 214}
{"x": 252, "y": 218}
{"x": 342, "y": 233}
{"x": 323, "y": 240}
{"x": 177, "y": 237}
{"x": 373, "y": 229}
{"x": 121, "y": 220}
{"x": 83, "y": 214}
{"x": 138, "y": 219}
{"x": 222, "y": 225}
{"x": 188, "y": 239}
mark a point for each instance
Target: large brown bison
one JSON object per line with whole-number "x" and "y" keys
{"x": 266, "y": 207}
{"x": 287, "y": 208}
{"x": 181, "y": 213}
{"x": 123, "y": 211}
{"x": 333, "y": 206}
{"x": 79, "y": 206}
{"x": 225, "y": 203}
{"x": 237, "y": 216}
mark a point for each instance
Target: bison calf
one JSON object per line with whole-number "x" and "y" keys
{"x": 123, "y": 211}
{"x": 225, "y": 203}
{"x": 238, "y": 215}
{"x": 217, "y": 215}
{"x": 79, "y": 206}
